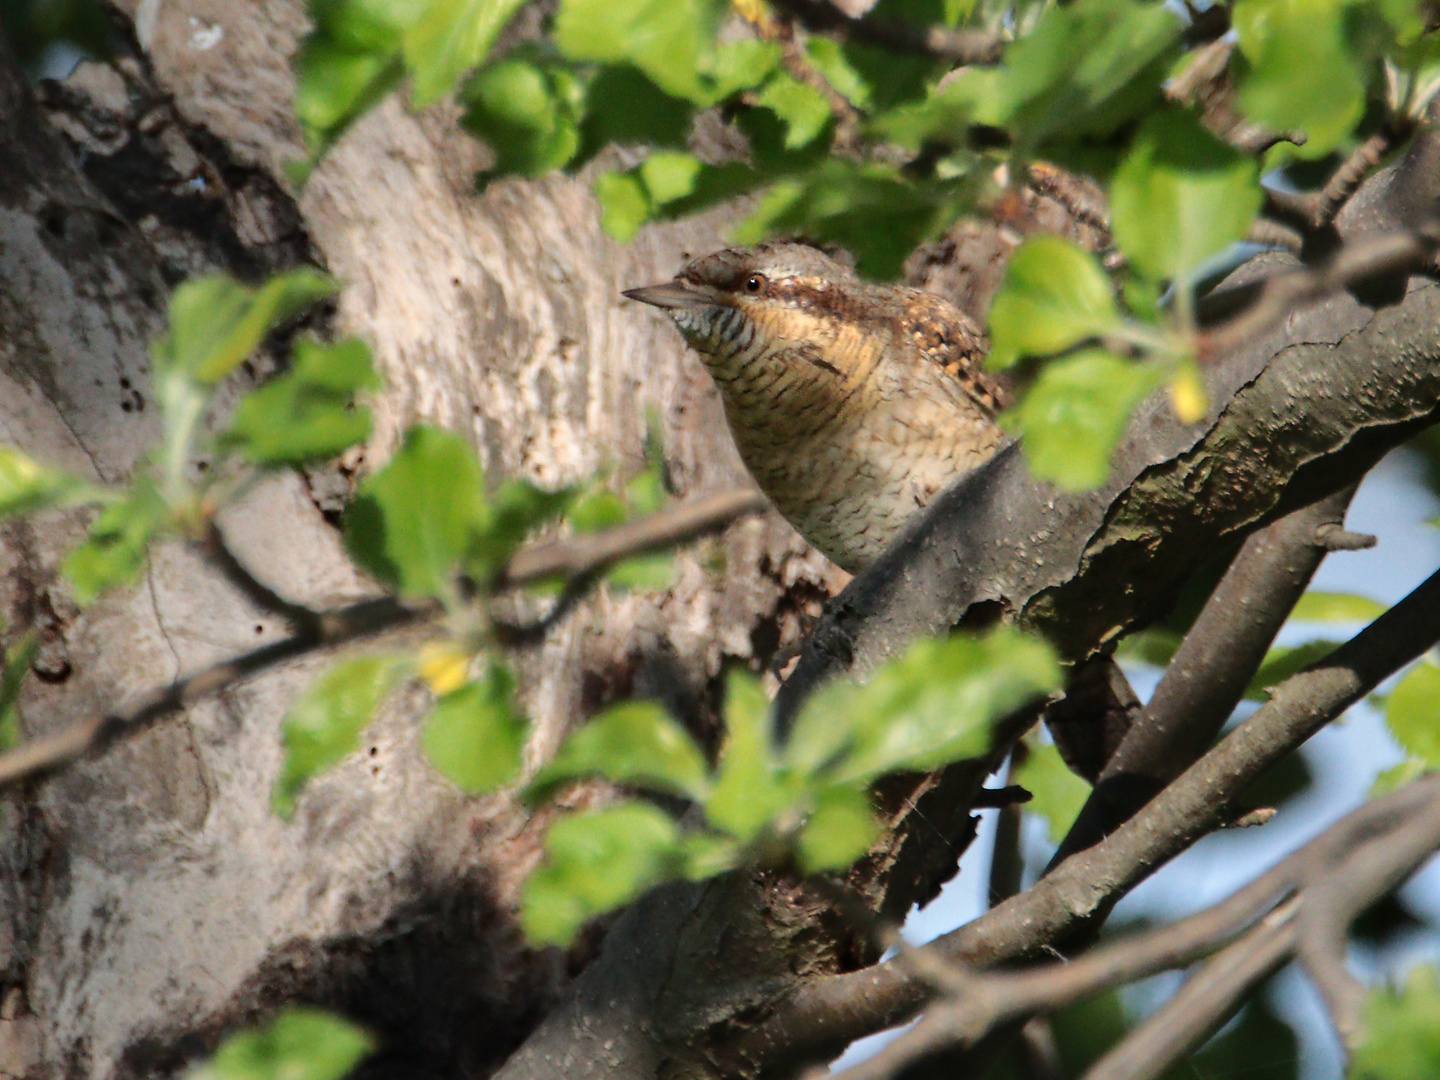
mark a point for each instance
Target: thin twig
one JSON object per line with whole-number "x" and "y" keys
{"x": 580, "y": 557}
{"x": 1208, "y": 675}
{"x": 1386, "y": 253}
{"x": 1363, "y": 160}
{"x": 1204, "y": 1002}
{"x": 1083, "y": 889}
{"x": 302, "y": 620}
{"x": 938, "y": 42}
{"x": 1392, "y": 836}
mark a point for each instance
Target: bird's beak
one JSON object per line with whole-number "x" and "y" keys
{"x": 673, "y": 294}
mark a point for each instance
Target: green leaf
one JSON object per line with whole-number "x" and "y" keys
{"x": 1180, "y": 196}
{"x": 873, "y": 209}
{"x": 516, "y": 509}
{"x": 1075, "y": 413}
{"x": 1413, "y": 712}
{"x": 215, "y": 322}
{"x": 1282, "y": 661}
{"x": 643, "y": 573}
{"x": 528, "y": 112}
{"x": 1058, "y": 794}
{"x": 596, "y": 862}
{"x": 1053, "y": 296}
{"x": 933, "y": 705}
{"x": 324, "y": 724}
{"x": 412, "y": 522}
{"x": 1088, "y": 68}
{"x": 300, "y": 1043}
{"x": 830, "y": 60}
{"x": 635, "y": 742}
{"x": 669, "y": 175}
{"x": 306, "y": 414}
{"x": 1402, "y": 1031}
{"x": 749, "y": 792}
{"x": 1302, "y": 72}
{"x": 27, "y": 486}
{"x": 598, "y": 510}
{"x": 14, "y": 664}
{"x": 450, "y": 39}
{"x": 704, "y": 855}
{"x": 119, "y": 541}
{"x": 802, "y": 108}
{"x": 624, "y": 204}
{"x": 840, "y": 829}
{"x": 333, "y": 88}
{"x": 1154, "y": 646}
{"x": 1336, "y": 607}
{"x": 669, "y": 40}
{"x": 1397, "y": 776}
{"x": 476, "y": 735}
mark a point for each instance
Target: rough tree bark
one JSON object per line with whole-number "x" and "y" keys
{"x": 150, "y": 899}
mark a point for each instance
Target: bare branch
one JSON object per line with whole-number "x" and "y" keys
{"x": 1209, "y": 673}
{"x": 832, "y": 1010}
{"x": 1203, "y": 1003}
{"x": 44, "y": 755}
{"x": 580, "y": 557}
{"x": 1362, "y": 857}
{"x": 1384, "y": 254}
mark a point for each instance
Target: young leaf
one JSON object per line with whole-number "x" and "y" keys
{"x": 119, "y": 541}
{"x": 1402, "y": 1031}
{"x": 1088, "y": 68}
{"x": 299, "y": 1043}
{"x": 596, "y": 862}
{"x": 624, "y": 204}
{"x": 529, "y": 113}
{"x": 749, "y": 790}
{"x": 840, "y": 829}
{"x": 1413, "y": 712}
{"x": 27, "y": 486}
{"x": 215, "y": 322}
{"x": 1058, "y": 793}
{"x": 450, "y": 39}
{"x": 516, "y": 509}
{"x": 634, "y": 742}
{"x": 669, "y": 40}
{"x": 1054, "y": 295}
{"x": 1302, "y": 71}
{"x": 643, "y": 573}
{"x": 334, "y": 86}
{"x": 1075, "y": 413}
{"x": 1180, "y": 196}
{"x": 476, "y": 735}
{"x": 14, "y": 664}
{"x": 802, "y": 108}
{"x": 1336, "y": 607}
{"x": 933, "y": 705}
{"x": 325, "y": 722}
{"x": 1397, "y": 776}
{"x": 1282, "y": 661}
{"x": 412, "y": 522}
{"x": 306, "y": 414}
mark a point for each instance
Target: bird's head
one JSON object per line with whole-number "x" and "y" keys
{"x": 786, "y": 296}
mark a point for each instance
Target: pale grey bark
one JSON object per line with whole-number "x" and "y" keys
{"x": 150, "y": 898}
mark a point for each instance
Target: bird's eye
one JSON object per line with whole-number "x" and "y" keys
{"x": 755, "y": 284}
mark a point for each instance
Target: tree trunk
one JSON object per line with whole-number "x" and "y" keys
{"x": 151, "y": 900}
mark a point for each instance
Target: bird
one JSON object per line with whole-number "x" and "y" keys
{"x": 851, "y": 403}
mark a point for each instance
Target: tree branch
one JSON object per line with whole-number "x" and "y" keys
{"x": 1208, "y": 675}
{"x": 828, "y": 1012}
{"x": 1361, "y": 858}
{"x": 579, "y": 557}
